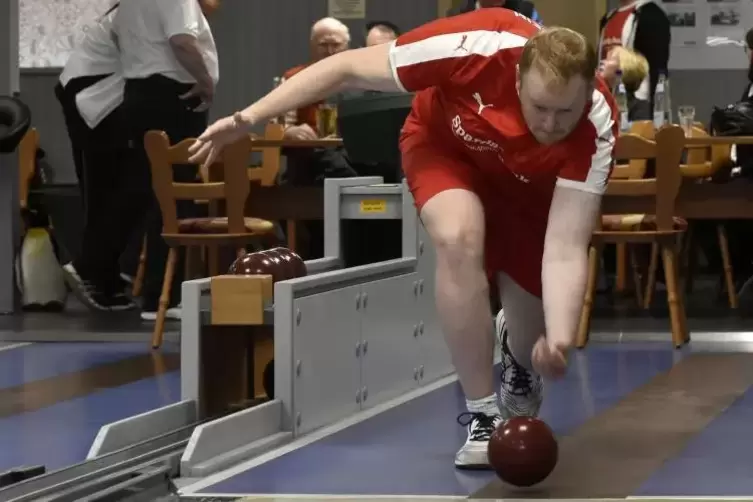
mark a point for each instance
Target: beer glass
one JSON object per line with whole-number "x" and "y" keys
{"x": 326, "y": 120}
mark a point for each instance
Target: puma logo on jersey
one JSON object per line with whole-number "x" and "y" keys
{"x": 462, "y": 44}
{"x": 480, "y": 102}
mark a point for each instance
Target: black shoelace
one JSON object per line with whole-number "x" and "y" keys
{"x": 484, "y": 425}
{"x": 521, "y": 382}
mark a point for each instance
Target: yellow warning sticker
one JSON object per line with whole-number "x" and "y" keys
{"x": 373, "y": 206}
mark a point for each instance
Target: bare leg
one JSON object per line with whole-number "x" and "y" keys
{"x": 455, "y": 221}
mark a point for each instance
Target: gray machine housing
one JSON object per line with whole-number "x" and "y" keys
{"x": 347, "y": 341}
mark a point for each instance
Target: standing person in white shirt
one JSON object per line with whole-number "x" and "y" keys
{"x": 169, "y": 61}
{"x": 90, "y": 91}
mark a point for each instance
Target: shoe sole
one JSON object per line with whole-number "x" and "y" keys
{"x": 473, "y": 467}
{"x": 73, "y": 283}
{"x": 75, "y": 286}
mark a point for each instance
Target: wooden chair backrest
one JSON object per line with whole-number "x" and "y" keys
{"x": 636, "y": 168}
{"x": 667, "y": 150}
{"x": 266, "y": 174}
{"x": 233, "y": 189}
{"x": 27, "y": 162}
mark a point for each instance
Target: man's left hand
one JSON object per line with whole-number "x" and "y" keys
{"x": 549, "y": 358}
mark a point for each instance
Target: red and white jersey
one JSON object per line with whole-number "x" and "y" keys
{"x": 463, "y": 70}
{"x": 617, "y": 30}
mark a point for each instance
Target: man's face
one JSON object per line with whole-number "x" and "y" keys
{"x": 379, "y": 36}
{"x": 328, "y": 42}
{"x": 552, "y": 112}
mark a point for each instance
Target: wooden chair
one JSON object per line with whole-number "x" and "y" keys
{"x": 235, "y": 230}
{"x": 265, "y": 173}
{"x": 633, "y": 169}
{"x": 662, "y": 228}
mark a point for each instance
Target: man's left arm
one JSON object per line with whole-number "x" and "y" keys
{"x": 573, "y": 216}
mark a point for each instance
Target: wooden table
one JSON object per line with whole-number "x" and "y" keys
{"x": 696, "y": 201}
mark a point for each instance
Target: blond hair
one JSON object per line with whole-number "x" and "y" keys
{"x": 559, "y": 54}
{"x": 633, "y": 65}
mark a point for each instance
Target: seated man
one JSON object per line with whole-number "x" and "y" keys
{"x": 306, "y": 167}
{"x": 381, "y": 32}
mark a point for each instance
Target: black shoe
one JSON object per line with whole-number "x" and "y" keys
{"x": 91, "y": 296}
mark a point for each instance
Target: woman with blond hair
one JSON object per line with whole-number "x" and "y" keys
{"x": 634, "y": 68}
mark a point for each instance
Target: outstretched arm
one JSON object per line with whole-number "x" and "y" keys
{"x": 448, "y": 51}
{"x": 367, "y": 68}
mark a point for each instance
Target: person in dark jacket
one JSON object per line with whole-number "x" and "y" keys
{"x": 643, "y": 26}
{"x": 524, "y": 7}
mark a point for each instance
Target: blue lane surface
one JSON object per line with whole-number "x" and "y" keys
{"x": 409, "y": 450}
{"x": 47, "y": 360}
{"x": 61, "y": 434}
{"x": 718, "y": 462}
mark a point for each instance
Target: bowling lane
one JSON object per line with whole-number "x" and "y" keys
{"x": 716, "y": 462}
{"x": 615, "y": 452}
{"x": 40, "y": 361}
{"x": 408, "y": 450}
{"x": 61, "y": 434}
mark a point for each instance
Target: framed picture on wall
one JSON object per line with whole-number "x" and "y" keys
{"x": 48, "y": 29}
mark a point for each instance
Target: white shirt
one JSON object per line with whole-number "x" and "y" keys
{"x": 95, "y": 53}
{"x": 144, "y": 29}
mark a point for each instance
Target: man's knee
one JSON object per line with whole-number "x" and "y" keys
{"x": 455, "y": 221}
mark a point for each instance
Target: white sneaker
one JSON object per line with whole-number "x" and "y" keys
{"x": 473, "y": 454}
{"x": 171, "y": 314}
{"x": 521, "y": 391}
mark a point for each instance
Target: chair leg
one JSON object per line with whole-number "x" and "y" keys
{"x": 585, "y": 313}
{"x": 648, "y": 295}
{"x": 138, "y": 281}
{"x": 292, "y": 238}
{"x": 620, "y": 279}
{"x": 164, "y": 299}
{"x": 636, "y": 273}
{"x": 674, "y": 295}
{"x": 690, "y": 260}
{"x": 729, "y": 276}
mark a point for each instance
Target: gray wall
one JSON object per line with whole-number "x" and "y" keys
{"x": 256, "y": 40}
{"x": 703, "y": 88}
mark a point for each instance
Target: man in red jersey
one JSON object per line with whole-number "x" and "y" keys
{"x": 507, "y": 152}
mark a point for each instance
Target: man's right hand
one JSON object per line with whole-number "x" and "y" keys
{"x": 204, "y": 91}
{"x": 209, "y": 145}
{"x": 302, "y": 132}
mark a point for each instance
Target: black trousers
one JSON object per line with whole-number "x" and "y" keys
{"x": 100, "y": 157}
{"x": 154, "y": 103}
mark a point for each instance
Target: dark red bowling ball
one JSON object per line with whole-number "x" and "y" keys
{"x": 283, "y": 270}
{"x": 256, "y": 264}
{"x": 523, "y": 451}
{"x": 294, "y": 260}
